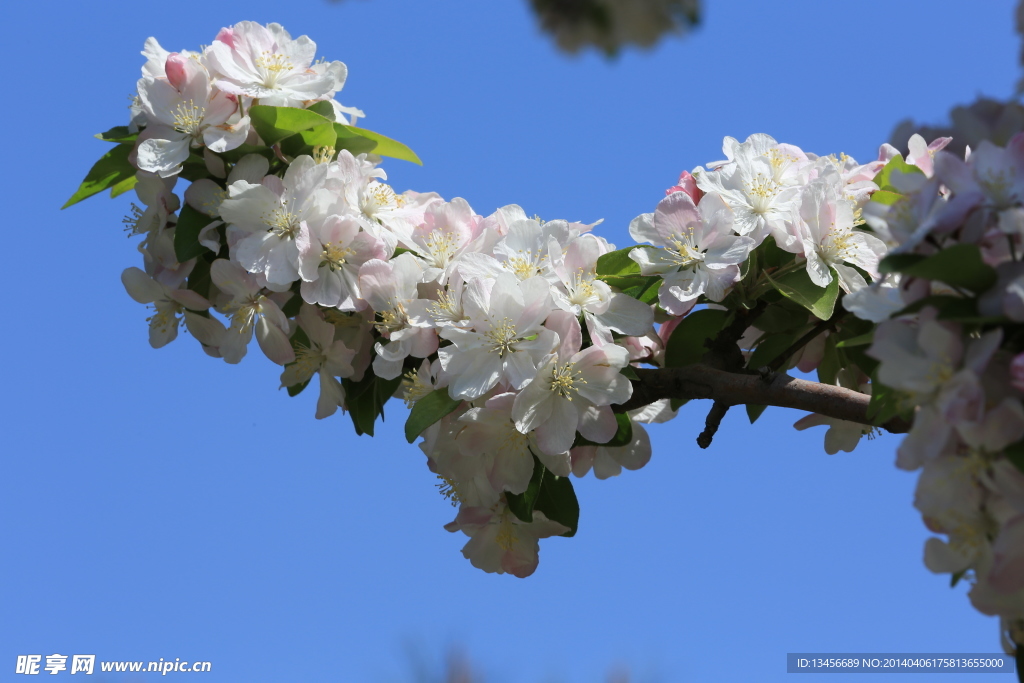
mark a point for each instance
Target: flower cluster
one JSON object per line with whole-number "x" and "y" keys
{"x": 954, "y": 349}
{"x": 517, "y": 342}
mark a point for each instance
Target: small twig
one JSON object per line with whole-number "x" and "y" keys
{"x": 711, "y": 424}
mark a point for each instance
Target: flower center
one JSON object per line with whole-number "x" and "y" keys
{"x": 581, "y": 289}
{"x": 996, "y": 184}
{"x": 414, "y": 388}
{"x": 838, "y": 245}
{"x": 308, "y": 360}
{"x": 380, "y": 196}
{"x": 506, "y": 538}
{"x": 684, "y": 249}
{"x": 761, "y": 191}
{"x": 334, "y": 255}
{"x": 131, "y": 221}
{"x": 282, "y": 222}
{"x": 391, "y": 320}
{"x": 501, "y": 337}
{"x": 564, "y": 379}
{"x": 274, "y": 65}
{"x": 441, "y": 246}
{"x": 445, "y": 309}
{"x": 448, "y": 490}
{"x": 323, "y": 154}
{"x": 524, "y": 265}
{"x": 244, "y": 314}
{"x": 188, "y": 118}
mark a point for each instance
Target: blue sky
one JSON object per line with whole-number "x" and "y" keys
{"x": 165, "y": 504}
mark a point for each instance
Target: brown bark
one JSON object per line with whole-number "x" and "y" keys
{"x": 700, "y": 381}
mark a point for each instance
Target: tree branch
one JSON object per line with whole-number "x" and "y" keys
{"x": 699, "y": 381}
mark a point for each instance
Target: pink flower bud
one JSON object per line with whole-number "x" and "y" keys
{"x": 176, "y": 69}
{"x": 226, "y": 36}
{"x": 688, "y": 185}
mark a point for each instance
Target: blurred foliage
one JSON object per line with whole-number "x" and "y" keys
{"x": 610, "y": 25}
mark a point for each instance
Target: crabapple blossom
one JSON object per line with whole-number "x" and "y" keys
{"x": 250, "y": 310}
{"x": 573, "y": 390}
{"x": 528, "y": 350}
{"x": 271, "y": 212}
{"x": 830, "y": 241}
{"x": 699, "y": 253}
{"x": 504, "y": 340}
{"x": 329, "y": 258}
{"x": 390, "y": 288}
{"x": 168, "y": 304}
{"x": 583, "y": 294}
{"x": 265, "y": 63}
{"x": 326, "y": 357}
{"x": 185, "y": 111}
{"x": 499, "y": 542}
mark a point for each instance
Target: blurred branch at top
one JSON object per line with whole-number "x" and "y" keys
{"x": 611, "y": 25}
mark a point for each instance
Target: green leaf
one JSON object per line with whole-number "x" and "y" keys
{"x": 557, "y": 500}
{"x": 770, "y": 348}
{"x": 754, "y": 412}
{"x": 293, "y": 305}
{"x": 886, "y": 197}
{"x": 830, "y": 365}
{"x": 232, "y": 156}
{"x": 384, "y": 390}
{"x": 622, "y": 437}
{"x": 429, "y": 410}
{"x": 797, "y": 286}
{"x": 783, "y": 316}
{"x": 123, "y": 186}
{"x": 274, "y": 124}
{"x": 644, "y": 287}
{"x": 686, "y": 345}
{"x": 117, "y": 134}
{"x": 895, "y": 165}
{"x": 629, "y": 372}
{"x": 897, "y": 263}
{"x": 884, "y": 404}
{"x": 677, "y": 403}
{"x": 617, "y": 263}
{"x": 324, "y": 108}
{"x": 856, "y": 355}
{"x": 522, "y": 504}
{"x": 186, "y": 233}
{"x": 650, "y": 295}
{"x": 955, "y": 578}
{"x": 949, "y": 307}
{"x": 958, "y": 266}
{"x": 199, "y": 280}
{"x": 550, "y": 494}
{"x": 859, "y": 340}
{"x": 305, "y": 142}
{"x": 111, "y": 169}
{"x": 771, "y": 256}
{"x": 382, "y": 145}
{"x": 1015, "y": 454}
{"x": 365, "y": 400}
